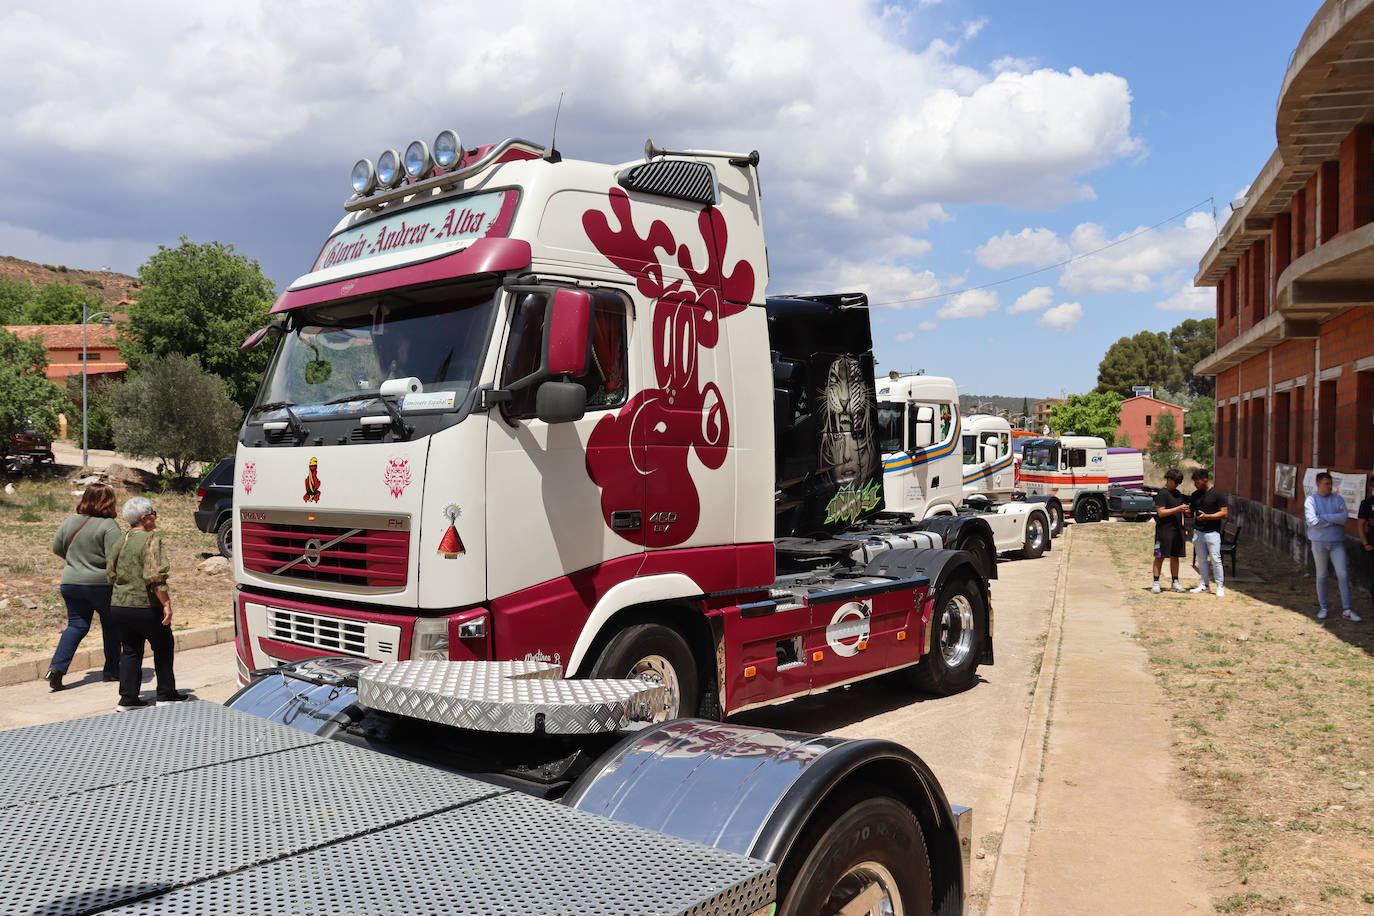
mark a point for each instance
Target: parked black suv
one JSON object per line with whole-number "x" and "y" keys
{"x": 215, "y": 514}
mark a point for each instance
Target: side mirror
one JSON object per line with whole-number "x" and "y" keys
{"x": 568, "y": 333}
{"x": 560, "y": 402}
{"x": 254, "y": 340}
{"x": 989, "y": 452}
{"x": 923, "y": 427}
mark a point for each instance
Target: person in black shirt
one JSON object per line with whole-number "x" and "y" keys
{"x": 1169, "y": 541}
{"x": 1209, "y": 510}
{"x": 1366, "y": 522}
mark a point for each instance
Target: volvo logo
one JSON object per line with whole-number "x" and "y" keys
{"x": 311, "y": 554}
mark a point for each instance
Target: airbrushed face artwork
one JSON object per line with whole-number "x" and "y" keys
{"x": 312, "y": 482}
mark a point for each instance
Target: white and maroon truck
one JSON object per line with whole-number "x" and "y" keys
{"x": 529, "y": 408}
{"x": 1084, "y": 478}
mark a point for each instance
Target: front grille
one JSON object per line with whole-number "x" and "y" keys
{"x": 347, "y": 553}
{"x": 328, "y": 633}
{"x": 368, "y": 433}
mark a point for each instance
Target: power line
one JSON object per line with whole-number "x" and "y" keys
{"x": 1055, "y": 266}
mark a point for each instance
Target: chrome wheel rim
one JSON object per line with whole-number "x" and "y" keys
{"x": 1036, "y": 534}
{"x": 867, "y": 889}
{"x": 956, "y": 630}
{"x": 658, "y": 670}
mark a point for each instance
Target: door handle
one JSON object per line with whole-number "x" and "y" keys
{"x": 625, "y": 520}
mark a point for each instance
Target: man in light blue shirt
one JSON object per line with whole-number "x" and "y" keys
{"x": 1326, "y": 517}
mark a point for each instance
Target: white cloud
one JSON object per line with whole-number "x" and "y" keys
{"x": 927, "y": 325}
{"x": 1063, "y": 317}
{"x": 975, "y": 303}
{"x": 905, "y": 337}
{"x": 1137, "y": 265}
{"x": 1190, "y": 298}
{"x": 89, "y": 253}
{"x": 883, "y": 280}
{"x": 1032, "y": 300}
{"x": 1013, "y": 64}
{"x": 1033, "y": 247}
{"x": 973, "y": 27}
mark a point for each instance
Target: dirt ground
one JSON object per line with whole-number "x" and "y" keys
{"x": 1273, "y": 721}
{"x": 30, "y": 570}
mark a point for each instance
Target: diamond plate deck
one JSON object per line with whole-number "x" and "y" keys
{"x": 325, "y": 828}
{"x": 490, "y": 696}
{"x": 59, "y": 758}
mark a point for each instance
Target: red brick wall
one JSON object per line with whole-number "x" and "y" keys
{"x": 1309, "y": 214}
{"x": 1329, "y": 208}
{"x": 1298, "y": 211}
{"x": 1357, "y": 175}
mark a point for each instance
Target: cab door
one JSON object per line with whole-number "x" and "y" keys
{"x": 545, "y": 521}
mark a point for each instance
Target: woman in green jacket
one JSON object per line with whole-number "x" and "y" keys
{"x": 141, "y": 606}
{"x": 84, "y": 540}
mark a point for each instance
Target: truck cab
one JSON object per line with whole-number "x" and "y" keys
{"x": 1090, "y": 480}
{"x": 988, "y": 467}
{"x": 525, "y": 407}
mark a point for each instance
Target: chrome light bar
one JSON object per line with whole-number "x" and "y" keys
{"x": 448, "y": 178}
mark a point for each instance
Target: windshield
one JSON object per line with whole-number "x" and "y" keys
{"x": 1040, "y": 456}
{"x": 890, "y": 427}
{"x": 342, "y": 352}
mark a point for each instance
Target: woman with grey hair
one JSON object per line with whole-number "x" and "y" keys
{"x": 141, "y": 606}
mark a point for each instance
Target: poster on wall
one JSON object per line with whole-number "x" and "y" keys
{"x": 1351, "y": 488}
{"x": 1285, "y": 479}
{"x": 1309, "y": 480}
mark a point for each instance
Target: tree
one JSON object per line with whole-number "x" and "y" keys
{"x": 14, "y": 298}
{"x": 176, "y": 412}
{"x": 99, "y": 426}
{"x": 1148, "y": 358}
{"x": 59, "y": 303}
{"x": 1163, "y": 444}
{"x": 27, "y": 398}
{"x": 1193, "y": 341}
{"x": 1095, "y": 414}
{"x": 202, "y": 299}
{"x": 1202, "y": 430}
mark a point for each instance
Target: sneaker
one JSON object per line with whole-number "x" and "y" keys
{"x": 1221, "y": 591}
{"x": 174, "y": 698}
{"x": 1348, "y": 614}
{"x": 132, "y": 705}
{"x": 1176, "y": 587}
{"x": 1200, "y": 590}
{"x": 1155, "y": 588}
{"x": 1322, "y": 613}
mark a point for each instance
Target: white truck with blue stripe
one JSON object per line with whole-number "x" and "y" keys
{"x": 940, "y": 465}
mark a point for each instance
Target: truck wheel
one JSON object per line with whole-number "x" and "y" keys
{"x": 870, "y": 859}
{"x": 1037, "y": 536}
{"x": 959, "y": 620}
{"x": 1056, "y": 512}
{"x": 224, "y": 538}
{"x": 1089, "y": 510}
{"x": 658, "y": 653}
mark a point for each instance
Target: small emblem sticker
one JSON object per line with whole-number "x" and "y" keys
{"x": 312, "y": 482}
{"x": 397, "y": 476}
{"x": 451, "y": 545}
{"x": 250, "y": 476}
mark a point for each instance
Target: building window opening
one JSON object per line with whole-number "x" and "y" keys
{"x": 1364, "y": 421}
{"x": 1326, "y": 424}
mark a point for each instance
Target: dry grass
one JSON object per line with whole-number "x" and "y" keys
{"x": 1273, "y": 717}
{"x": 28, "y": 568}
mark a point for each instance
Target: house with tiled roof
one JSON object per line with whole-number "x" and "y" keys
{"x": 65, "y": 351}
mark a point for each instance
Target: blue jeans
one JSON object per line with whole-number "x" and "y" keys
{"x": 83, "y": 602}
{"x": 1207, "y": 548}
{"x": 1333, "y": 552}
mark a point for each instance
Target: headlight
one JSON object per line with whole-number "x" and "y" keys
{"x": 364, "y": 177}
{"x": 389, "y": 169}
{"x": 417, "y": 159}
{"x": 430, "y": 638}
{"x": 448, "y": 149}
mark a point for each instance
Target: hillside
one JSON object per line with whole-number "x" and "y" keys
{"x": 107, "y": 284}
{"x": 1000, "y": 402}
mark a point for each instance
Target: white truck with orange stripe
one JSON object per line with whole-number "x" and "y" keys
{"x": 1085, "y": 477}
{"x": 938, "y": 464}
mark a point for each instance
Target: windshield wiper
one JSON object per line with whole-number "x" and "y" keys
{"x": 298, "y": 430}
{"x": 273, "y": 405}
{"x": 399, "y": 426}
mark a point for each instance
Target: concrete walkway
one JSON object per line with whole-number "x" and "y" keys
{"x": 1108, "y": 831}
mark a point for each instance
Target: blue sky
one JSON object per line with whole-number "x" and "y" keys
{"x": 955, "y": 142}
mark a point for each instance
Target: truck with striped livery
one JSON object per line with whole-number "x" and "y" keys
{"x": 1084, "y": 478}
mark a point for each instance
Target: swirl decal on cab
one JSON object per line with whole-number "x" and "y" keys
{"x": 639, "y": 455}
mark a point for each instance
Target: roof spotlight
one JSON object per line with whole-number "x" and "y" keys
{"x": 417, "y": 160}
{"x": 364, "y": 177}
{"x": 448, "y": 149}
{"x": 389, "y": 172}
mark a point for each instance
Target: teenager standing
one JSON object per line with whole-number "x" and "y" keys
{"x": 1169, "y": 539}
{"x": 1209, "y": 509}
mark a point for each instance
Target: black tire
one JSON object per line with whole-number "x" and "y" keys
{"x": 1037, "y": 537}
{"x": 224, "y": 538}
{"x": 1056, "y": 513}
{"x": 655, "y": 652}
{"x": 1089, "y": 510}
{"x": 960, "y": 621}
{"x": 862, "y": 841}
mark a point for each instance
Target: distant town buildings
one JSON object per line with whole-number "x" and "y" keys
{"x": 64, "y": 348}
{"x": 1040, "y": 413}
{"x": 1293, "y": 270}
